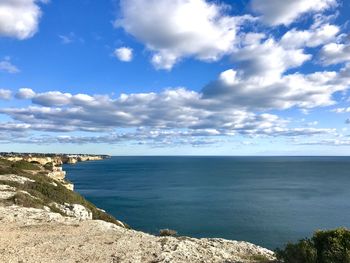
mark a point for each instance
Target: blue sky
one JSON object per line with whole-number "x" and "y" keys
{"x": 184, "y": 77}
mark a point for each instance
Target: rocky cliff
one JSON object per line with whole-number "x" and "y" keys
{"x": 52, "y": 163}
{"x": 55, "y": 159}
{"x": 43, "y": 221}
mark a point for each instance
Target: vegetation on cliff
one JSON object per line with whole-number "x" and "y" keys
{"x": 332, "y": 246}
{"x": 42, "y": 191}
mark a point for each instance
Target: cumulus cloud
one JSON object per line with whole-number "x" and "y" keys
{"x": 25, "y": 93}
{"x": 177, "y": 29}
{"x": 171, "y": 108}
{"x": 124, "y": 54}
{"x": 153, "y": 138}
{"x": 303, "y": 91}
{"x": 266, "y": 58}
{"x": 335, "y": 53}
{"x": 310, "y": 38}
{"x": 5, "y": 94}
{"x": 171, "y": 115}
{"x": 264, "y": 77}
{"x": 277, "y": 12}
{"x": 8, "y": 67}
{"x": 19, "y": 18}
{"x": 260, "y": 81}
{"x": 51, "y": 98}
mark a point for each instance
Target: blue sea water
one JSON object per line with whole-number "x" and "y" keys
{"x": 265, "y": 200}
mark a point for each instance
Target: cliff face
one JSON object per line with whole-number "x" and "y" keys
{"x": 43, "y": 221}
{"x": 52, "y": 163}
{"x": 55, "y": 159}
{"x": 33, "y": 185}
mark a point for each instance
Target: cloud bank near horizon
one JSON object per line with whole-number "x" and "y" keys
{"x": 267, "y": 51}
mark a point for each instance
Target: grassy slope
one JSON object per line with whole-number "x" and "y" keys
{"x": 45, "y": 189}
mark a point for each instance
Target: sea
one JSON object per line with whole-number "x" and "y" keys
{"x": 268, "y": 201}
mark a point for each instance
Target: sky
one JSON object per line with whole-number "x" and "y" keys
{"x": 175, "y": 77}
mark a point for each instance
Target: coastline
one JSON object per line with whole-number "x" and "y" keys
{"x": 76, "y": 224}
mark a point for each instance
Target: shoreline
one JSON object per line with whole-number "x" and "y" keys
{"x": 61, "y": 215}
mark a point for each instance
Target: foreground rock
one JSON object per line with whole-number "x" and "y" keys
{"x": 35, "y": 235}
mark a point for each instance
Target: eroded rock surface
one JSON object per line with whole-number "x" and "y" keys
{"x": 75, "y": 210}
{"x": 15, "y": 178}
{"x": 35, "y": 235}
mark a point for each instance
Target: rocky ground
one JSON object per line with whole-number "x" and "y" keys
{"x": 60, "y": 231}
{"x": 35, "y": 235}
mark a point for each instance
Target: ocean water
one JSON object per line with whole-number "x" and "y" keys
{"x": 265, "y": 200}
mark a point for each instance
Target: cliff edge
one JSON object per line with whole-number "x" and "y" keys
{"x": 44, "y": 221}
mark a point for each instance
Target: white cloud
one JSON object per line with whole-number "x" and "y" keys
{"x": 260, "y": 81}
{"x": 55, "y": 98}
{"x": 169, "y": 111}
{"x": 334, "y": 53}
{"x": 172, "y": 108}
{"x": 65, "y": 39}
{"x": 19, "y": 18}
{"x": 70, "y": 38}
{"x": 341, "y": 110}
{"x": 266, "y": 60}
{"x": 310, "y": 38}
{"x": 303, "y": 91}
{"x": 7, "y": 66}
{"x": 330, "y": 142}
{"x": 5, "y": 94}
{"x": 25, "y": 93}
{"x": 152, "y": 137}
{"x": 177, "y": 29}
{"x": 124, "y": 54}
{"x": 285, "y": 12}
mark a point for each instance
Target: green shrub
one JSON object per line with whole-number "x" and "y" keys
{"x": 301, "y": 252}
{"x": 25, "y": 200}
{"x": 48, "y": 166}
{"x": 167, "y": 232}
{"x": 5, "y": 162}
{"x": 46, "y": 191}
{"x": 332, "y": 246}
{"x": 24, "y": 165}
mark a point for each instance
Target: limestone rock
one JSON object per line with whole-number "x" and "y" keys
{"x": 57, "y": 173}
{"x": 34, "y": 235}
{"x": 15, "y": 178}
{"x": 4, "y": 195}
{"x": 4, "y": 187}
{"x": 75, "y": 210}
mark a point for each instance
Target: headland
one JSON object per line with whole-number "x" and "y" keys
{"x": 44, "y": 220}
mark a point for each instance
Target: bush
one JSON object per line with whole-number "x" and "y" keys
{"x": 24, "y": 165}
{"x": 301, "y": 252}
{"x": 48, "y": 166}
{"x": 259, "y": 259}
{"x": 5, "y": 162}
{"x": 25, "y": 200}
{"x": 332, "y": 246}
{"x": 167, "y": 232}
